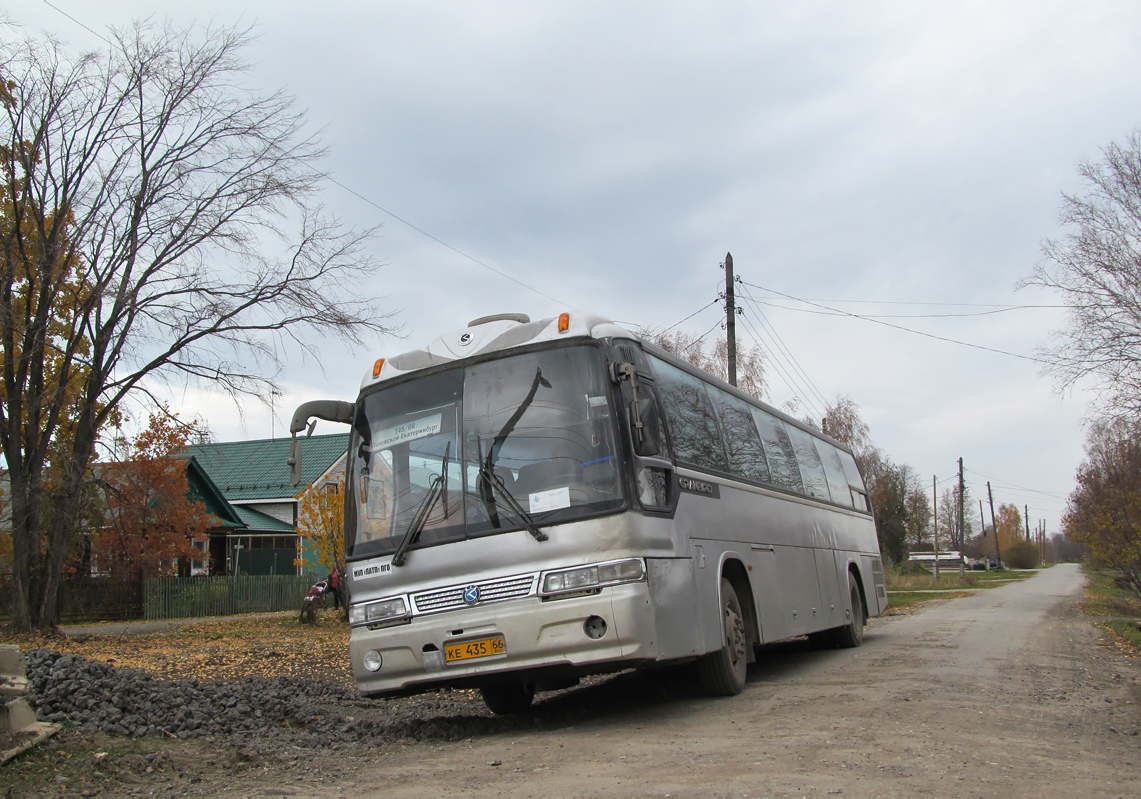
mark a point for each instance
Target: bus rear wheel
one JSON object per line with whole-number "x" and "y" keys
{"x": 852, "y": 633}
{"x": 510, "y": 697}
{"x": 722, "y": 673}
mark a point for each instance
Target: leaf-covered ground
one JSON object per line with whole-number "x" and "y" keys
{"x": 266, "y": 646}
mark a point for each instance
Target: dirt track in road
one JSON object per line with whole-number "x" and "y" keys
{"x": 1010, "y": 692}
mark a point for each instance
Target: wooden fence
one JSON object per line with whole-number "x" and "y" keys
{"x": 191, "y": 597}
{"x": 86, "y": 599}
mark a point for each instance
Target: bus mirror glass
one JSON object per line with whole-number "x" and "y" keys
{"x": 294, "y": 460}
{"x": 646, "y": 437}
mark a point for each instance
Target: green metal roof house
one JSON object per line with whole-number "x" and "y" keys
{"x": 253, "y": 476}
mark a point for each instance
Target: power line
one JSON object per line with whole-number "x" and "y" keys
{"x": 1052, "y": 494}
{"x": 1007, "y": 306}
{"x": 441, "y": 242}
{"x": 378, "y": 206}
{"x": 793, "y": 384}
{"x": 51, "y": 5}
{"x": 695, "y": 313}
{"x": 900, "y": 327}
{"x": 764, "y": 321}
{"x": 701, "y": 337}
{"x": 973, "y": 314}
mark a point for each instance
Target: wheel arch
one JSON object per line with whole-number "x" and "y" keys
{"x": 734, "y": 570}
{"x": 854, "y": 574}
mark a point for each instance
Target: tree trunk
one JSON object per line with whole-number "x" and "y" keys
{"x": 64, "y": 522}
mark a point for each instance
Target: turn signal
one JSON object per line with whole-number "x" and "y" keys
{"x": 376, "y": 367}
{"x": 564, "y": 322}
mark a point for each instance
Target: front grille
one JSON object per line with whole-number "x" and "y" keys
{"x": 491, "y": 591}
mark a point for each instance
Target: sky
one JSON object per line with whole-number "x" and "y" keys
{"x": 867, "y": 164}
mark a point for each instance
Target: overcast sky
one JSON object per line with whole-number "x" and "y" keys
{"x": 894, "y": 160}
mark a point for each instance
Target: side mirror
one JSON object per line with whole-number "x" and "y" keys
{"x": 647, "y": 427}
{"x": 329, "y": 410}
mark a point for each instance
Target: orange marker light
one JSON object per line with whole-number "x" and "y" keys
{"x": 376, "y": 367}
{"x": 564, "y": 322}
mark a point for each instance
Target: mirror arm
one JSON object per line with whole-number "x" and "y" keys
{"x": 627, "y": 371}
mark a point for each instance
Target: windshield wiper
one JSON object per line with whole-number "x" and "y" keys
{"x": 491, "y": 482}
{"x": 438, "y": 488}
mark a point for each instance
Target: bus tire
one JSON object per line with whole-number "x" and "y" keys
{"x": 852, "y": 634}
{"x": 722, "y": 673}
{"x": 503, "y": 699}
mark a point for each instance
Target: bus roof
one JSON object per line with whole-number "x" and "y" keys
{"x": 490, "y": 334}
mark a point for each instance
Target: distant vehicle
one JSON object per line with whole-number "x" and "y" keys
{"x": 947, "y": 560}
{"x": 529, "y": 502}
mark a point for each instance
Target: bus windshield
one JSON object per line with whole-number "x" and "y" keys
{"x": 520, "y": 442}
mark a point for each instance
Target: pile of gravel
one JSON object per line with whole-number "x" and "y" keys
{"x": 253, "y": 712}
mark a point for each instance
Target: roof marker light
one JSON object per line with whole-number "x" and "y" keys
{"x": 376, "y": 367}
{"x": 564, "y": 322}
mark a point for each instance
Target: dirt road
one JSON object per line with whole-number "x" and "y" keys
{"x": 1009, "y": 692}
{"x": 1006, "y": 693}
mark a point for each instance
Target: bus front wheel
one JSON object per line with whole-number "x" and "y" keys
{"x": 722, "y": 673}
{"x": 511, "y": 697}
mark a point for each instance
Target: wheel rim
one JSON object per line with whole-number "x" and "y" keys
{"x": 734, "y": 633}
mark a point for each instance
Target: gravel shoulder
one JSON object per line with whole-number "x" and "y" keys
{"x": 1010, "y": 692}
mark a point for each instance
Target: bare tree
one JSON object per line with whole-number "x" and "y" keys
{"x": 918, "y": 504}
{"x": 949, "y": 517}
{"x": 158, "y": 223}
{"x": 843, "y": 422}
{"x": 750, "y": 361}
{"x": 1097, "y": 270}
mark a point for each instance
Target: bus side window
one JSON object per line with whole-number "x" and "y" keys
{"x": 834, "y": 471}
{"x": 743, "y": 447}
{"x": 778, "y": 451}
{"x": 855, "y": 482}
{"x": 811, "y": 469}
{"x": 689, "y": 414}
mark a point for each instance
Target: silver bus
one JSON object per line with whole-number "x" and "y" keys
{"x": 531, "y": 502}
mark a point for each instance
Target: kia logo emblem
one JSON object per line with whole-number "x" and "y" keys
{"x": 465, "y": 338}
{"x": 471, "y": 594}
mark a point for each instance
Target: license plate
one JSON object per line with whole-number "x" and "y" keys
{"x": 480, "y": 648}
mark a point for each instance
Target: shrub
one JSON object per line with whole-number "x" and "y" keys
{"x": 1023, "y": 555}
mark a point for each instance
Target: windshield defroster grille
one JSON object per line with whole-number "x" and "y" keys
{"x": 493, "y": 591}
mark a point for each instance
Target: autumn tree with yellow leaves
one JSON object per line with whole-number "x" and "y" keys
{"x": 321, "y": 522}
{"x": 1104, "y": 511}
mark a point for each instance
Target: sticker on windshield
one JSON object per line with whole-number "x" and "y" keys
{"x": 596, "y": 402}
{"x": 420, "y": 428}
{"x": 550, "y": 500}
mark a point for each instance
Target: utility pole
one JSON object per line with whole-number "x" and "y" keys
{"x": 935, "y": 521}
{"x": 962, "y": 525}
{"x": 1026, "y": 510}
{"x": 730, "y": 320}
{"x": 994, "y": 524}
{"x": 982, "y": 521}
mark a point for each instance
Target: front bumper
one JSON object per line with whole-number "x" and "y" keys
{"x": 539, "y": 636}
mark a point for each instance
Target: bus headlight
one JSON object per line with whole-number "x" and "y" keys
{"x": 587, "y": 578}
{"x": 372, "y": 660}
{"x": 388, "y": 611}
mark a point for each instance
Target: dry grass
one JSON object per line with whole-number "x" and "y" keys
{"x": 266, "y": 646}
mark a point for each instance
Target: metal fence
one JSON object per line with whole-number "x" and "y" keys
{"x": 191, "y": 597}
